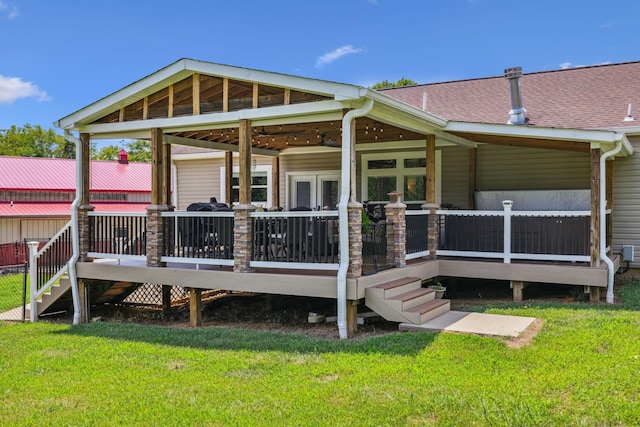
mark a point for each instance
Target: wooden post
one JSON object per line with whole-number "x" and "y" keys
{"x": 195, "y": 307}
{"x": 83, "y": 295}
{"x": 228, "y": 172}
{"x": 225, "y": 94}
{"x": 473, "y": 164}
{"x": 594, "y": 294}
{"x": 275, "y": 181}
{"x": 352, "y": 317}
{"x": 518, "y": 288}
{"x": 166, "y": 298}
{"x": 595, "y": 207}
{"x": 85, "y": 142}
{"x": 196, "y": 94}
{"x": 244, "y": 134}
{"x": 431, "y": 169}
{"x": 157, "y": 167}
{"x": 166, "y": 174}
{"x": 609, "y": 196}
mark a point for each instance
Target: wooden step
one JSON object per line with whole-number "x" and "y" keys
{"x": 427, "y": 311}
{"x": 399, "y": 286}
{"x": 414, "y": 298}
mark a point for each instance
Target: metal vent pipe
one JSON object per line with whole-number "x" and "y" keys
{"x": 516, "y": 114}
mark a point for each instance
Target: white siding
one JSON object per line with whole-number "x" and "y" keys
{"x": 626, "y": 202}
{"x": 197, "y": 181}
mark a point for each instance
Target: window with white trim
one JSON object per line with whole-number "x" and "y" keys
{"x": 260, "y": 185}
{"x": 404, "y": 172}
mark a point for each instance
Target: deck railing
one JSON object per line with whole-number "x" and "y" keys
{"x": 117, "y": 235}
{"x": 417, "y": 222}
{"x": 296, "y": 240}
{"x": 529, "y": 235}
{"x": 201, "y": 237}
{"x": 48, "y": 264}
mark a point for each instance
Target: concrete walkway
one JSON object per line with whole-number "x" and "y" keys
{"x": 474, "y": 323}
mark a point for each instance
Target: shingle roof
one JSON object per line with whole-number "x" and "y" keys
{"x": 44, "y": 174}
{"x": 583, "y": 98}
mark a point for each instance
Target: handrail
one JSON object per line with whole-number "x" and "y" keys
{"x": 507, "y": 239}
{"x": 56, "y": 254}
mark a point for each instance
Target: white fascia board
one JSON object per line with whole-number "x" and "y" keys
{"x": 197, "y": 156}
{"x": 140, "y": 134}
{"x": 534, "y": 132}
{"x": 340, "y": 91}
{"x": 218, "y": 120}
{"x": 125, "y": 96}
{"x": 170, "y": 139}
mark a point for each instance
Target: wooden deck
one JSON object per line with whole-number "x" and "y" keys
{"x": 323, "y": 284}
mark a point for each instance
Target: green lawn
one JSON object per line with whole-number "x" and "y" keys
{"x": 11, "y": 289}
{"x": 583, "y": 368}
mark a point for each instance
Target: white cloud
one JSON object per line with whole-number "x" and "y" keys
{"x": 567, "y": 65}
{"x": 13, "y": 88}
{"x": 10, "y": 10}
{"x": 329, "y": 57}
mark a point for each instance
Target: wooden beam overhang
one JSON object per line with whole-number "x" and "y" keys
{"x": 171, "y": 139}
{"x": 306, "y": 112}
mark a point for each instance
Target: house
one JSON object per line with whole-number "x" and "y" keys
{"x": 506, "y": 178}
{"x": 36, "y": 193}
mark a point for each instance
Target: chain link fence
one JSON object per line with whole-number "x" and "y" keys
{"x": 13, "y": 292}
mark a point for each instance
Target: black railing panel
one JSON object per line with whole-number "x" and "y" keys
{"x": 374, "y": 248}
{"x": 480, "y": 233}
{"x": 416, "y": 231}
{"x": 118, "y": 234}
{"x": 556, "y": 235}
{"x": 199, "y": 236}
{"x": 296, "y": 239}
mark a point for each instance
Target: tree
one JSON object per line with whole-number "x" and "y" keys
{"x": 385, "y": 84}
{"x": 138, "y": 151}
{"x": 34, "y": 141}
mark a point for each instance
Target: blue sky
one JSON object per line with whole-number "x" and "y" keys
{"x": 59, "y": 56}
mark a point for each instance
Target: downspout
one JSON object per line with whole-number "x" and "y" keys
{"x": 75, "y": 237}
{"x": 603, "y": 219}
{"x": 345, "y": 193}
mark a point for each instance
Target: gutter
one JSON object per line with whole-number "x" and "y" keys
{"x": 75, "y": 236}
{"x": 603, "y": 216}
{"x": 343, "y": 212}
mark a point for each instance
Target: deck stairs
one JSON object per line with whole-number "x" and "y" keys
{"x": 54, "y": 296}
{"x": 405, "y": 300}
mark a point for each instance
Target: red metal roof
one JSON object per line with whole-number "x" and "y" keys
{"x": 46, "y": 209}
{"x": 581, "y": 98}
{"x": 45, "y": 174}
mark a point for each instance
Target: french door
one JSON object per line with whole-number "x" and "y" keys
{"x": 318, "y": 191}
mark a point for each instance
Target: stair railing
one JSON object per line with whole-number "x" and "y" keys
{"x": 48, "y": 264}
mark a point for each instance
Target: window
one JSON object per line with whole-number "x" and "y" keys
{"x": 405, "y": 172}
{"x": 260, "y": 185}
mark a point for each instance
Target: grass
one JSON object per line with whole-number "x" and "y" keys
{"x": 11, "y": 290}
{"x": 581, "y": 369}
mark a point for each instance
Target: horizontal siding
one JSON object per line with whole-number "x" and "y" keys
{"x": 455, "y": 176}
{"x": 198, "y": 181}
{"x": 626, "y": 202}
{"x": 515, "y": 168}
